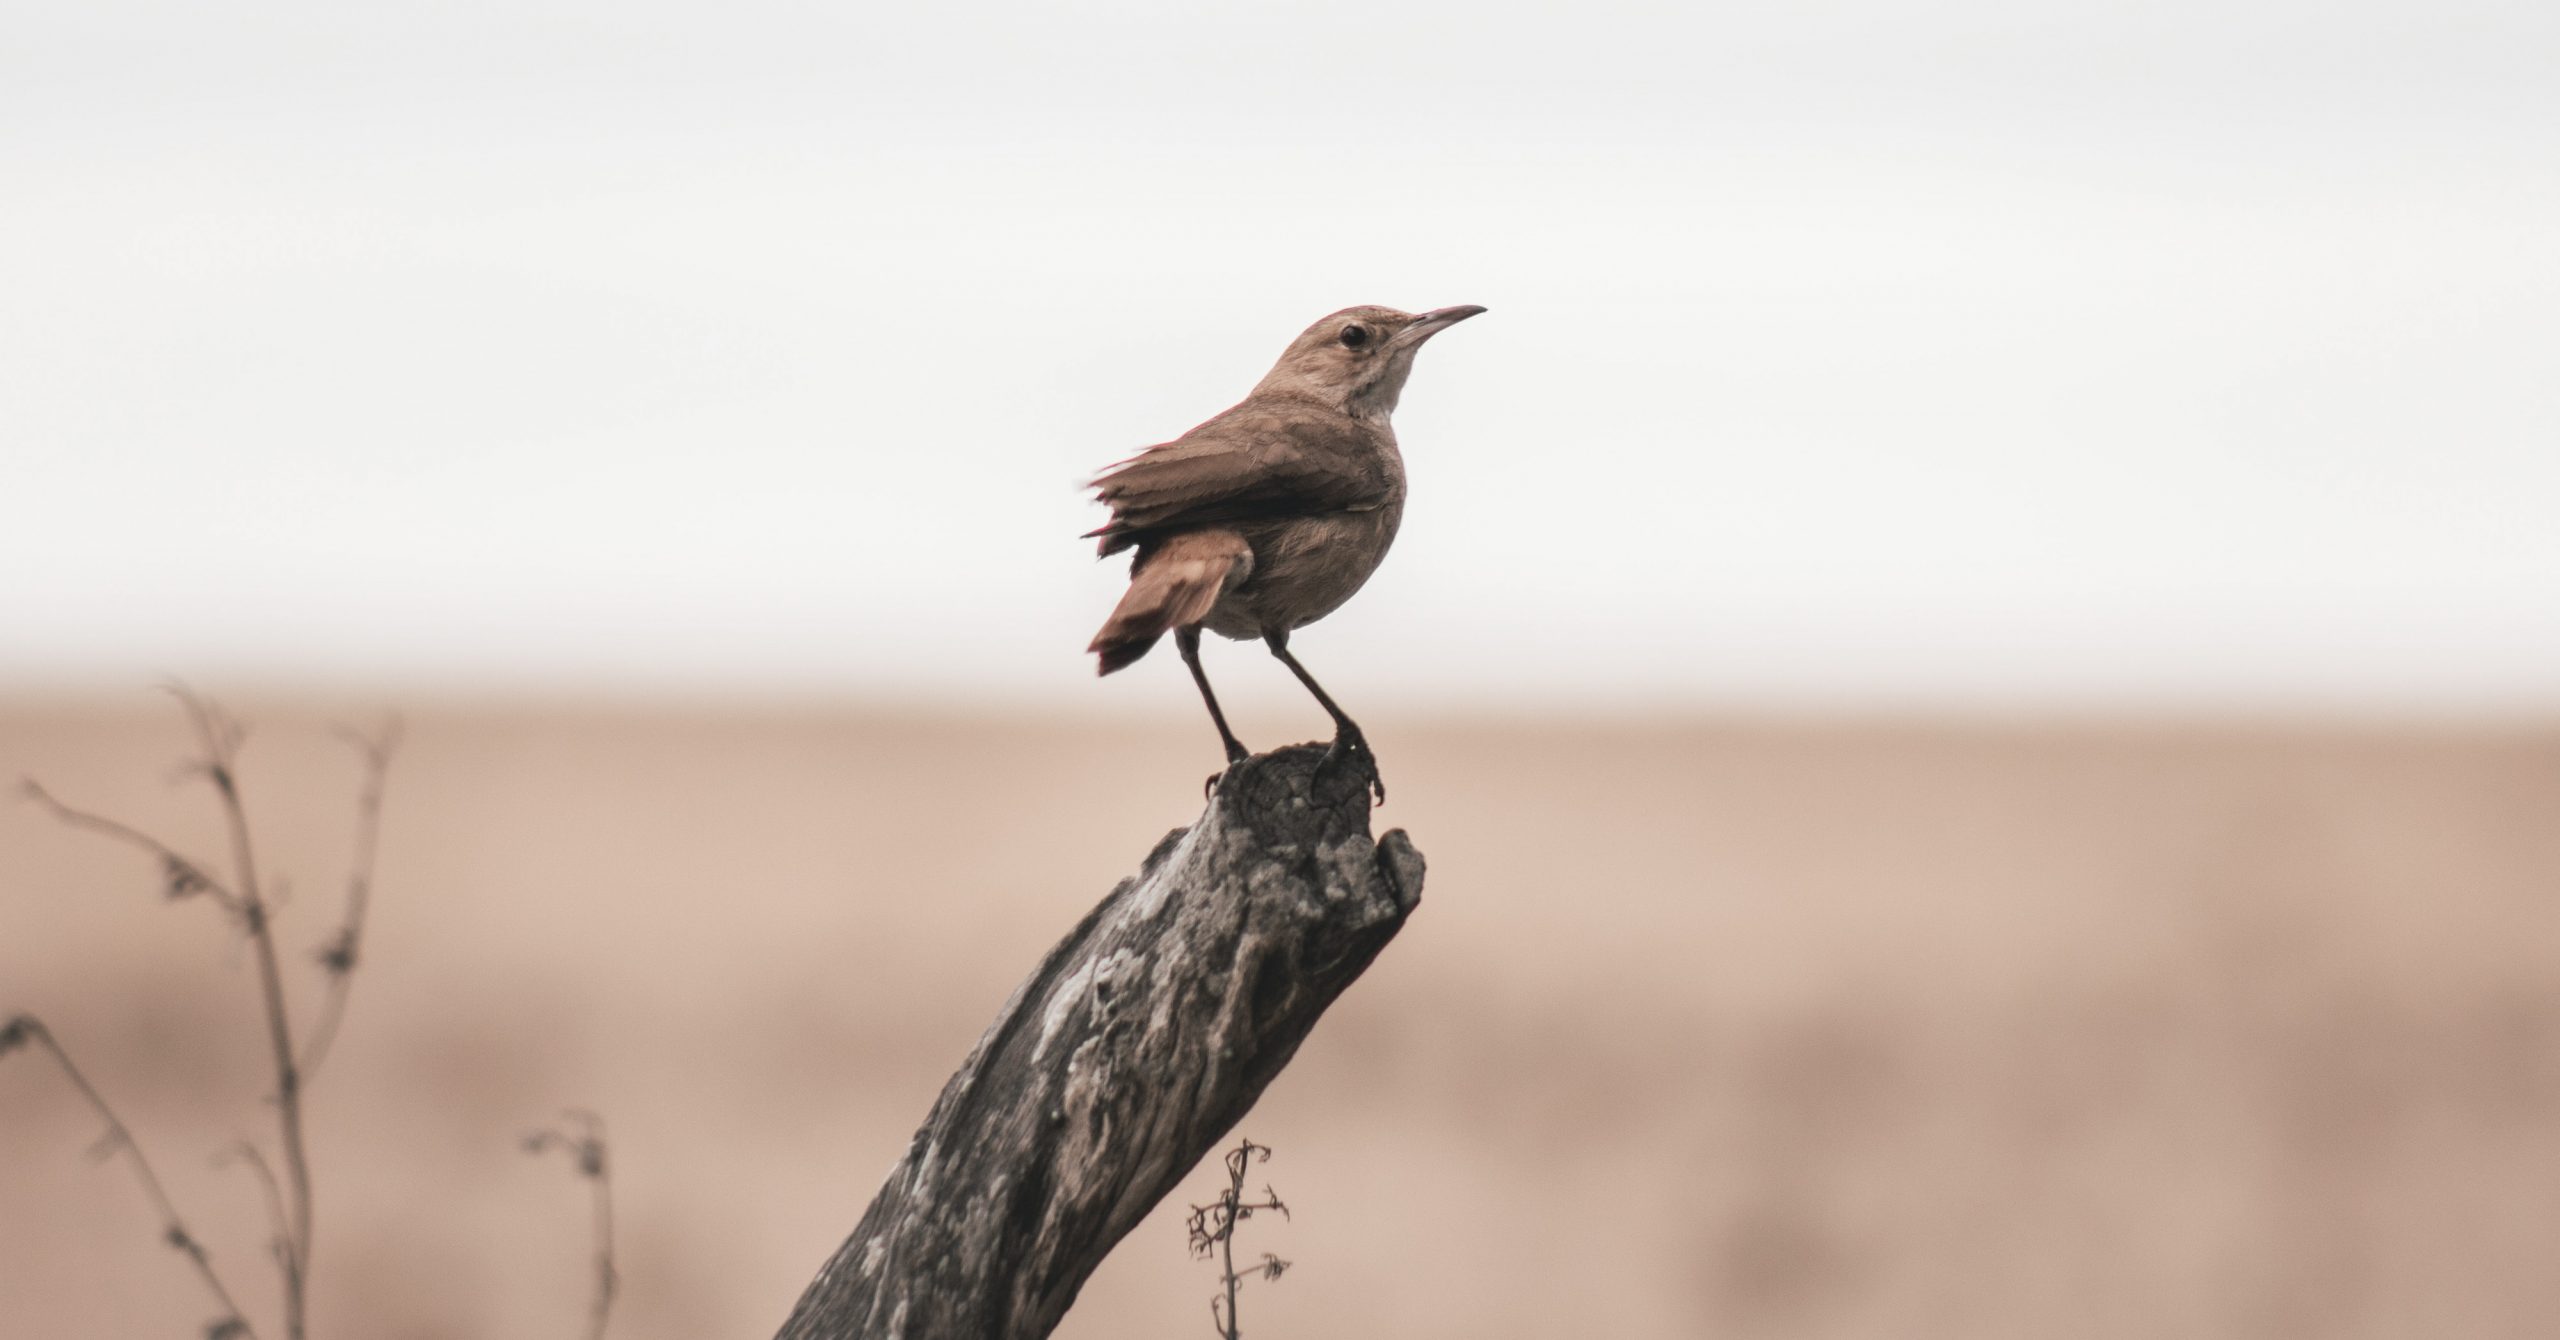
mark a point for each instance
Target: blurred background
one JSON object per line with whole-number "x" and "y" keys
{"x": 1975, "y": 651}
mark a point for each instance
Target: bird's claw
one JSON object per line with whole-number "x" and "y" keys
{"x": 1349, "y": 742}
{"x": 1236, "y": 753}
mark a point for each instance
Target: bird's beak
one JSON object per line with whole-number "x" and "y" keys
{"x": 1433, "y": 322}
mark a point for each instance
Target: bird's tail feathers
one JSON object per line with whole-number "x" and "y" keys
{"x": 1174, "y": 586}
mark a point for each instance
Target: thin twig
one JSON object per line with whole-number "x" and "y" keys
{"x": 1213, "y": 1228}
{"x": 586, "y": 1149}
{"x": 608, "y": 1279}
{"x": 26, "y": 1028}
{"x": 265, "y": 1172}
{"x": 344, "y": 951}
{"x": 1227, "y": 1242}
{"x": 220, "y": 737}
{"x": 185, "y": 876}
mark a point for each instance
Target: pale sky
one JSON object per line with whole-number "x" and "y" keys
{"x": 1840, "y": 354}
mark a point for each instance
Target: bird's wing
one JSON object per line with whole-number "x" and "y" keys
{"x": 1244, "y": 465}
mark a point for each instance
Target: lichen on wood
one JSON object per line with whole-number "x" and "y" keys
{"x": 1141, "y": 1039}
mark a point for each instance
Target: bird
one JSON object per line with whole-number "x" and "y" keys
{"x": 1269, "y": 516}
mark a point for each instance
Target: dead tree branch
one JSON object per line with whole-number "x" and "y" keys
{"x": 1142, "y": 1039}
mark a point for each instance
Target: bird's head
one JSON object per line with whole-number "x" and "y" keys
{"x": 1356, "y": 360}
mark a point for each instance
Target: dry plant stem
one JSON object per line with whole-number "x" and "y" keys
{"x": 592, "y": 1159}
{"x": 1227, "y": 1244}
{"x": 1214, "y": 1224}
{"x": 119, "y": 1138}
{"x": 587, "y": 1150}
{"x": 289, "y": 1200}
{"x": 265, "y": 1173}
{"x": 220, "y": 738}
{"x": 340, "y": 958}
{"x": 169, "y": 857}
{"x": 607, "y": 1279}
{"x": 1141, "y": 1039}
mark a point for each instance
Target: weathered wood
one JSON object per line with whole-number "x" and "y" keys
{"x": 1142, "y": 1038}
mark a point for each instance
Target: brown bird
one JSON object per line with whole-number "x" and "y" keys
{"x": 1269, "y": 516}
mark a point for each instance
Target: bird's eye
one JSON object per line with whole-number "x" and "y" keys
{"x": 1354, "y": 336}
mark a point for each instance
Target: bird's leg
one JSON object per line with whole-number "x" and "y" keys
{"x": 1187, "y": 641}
{"x": 1347, "y": 738}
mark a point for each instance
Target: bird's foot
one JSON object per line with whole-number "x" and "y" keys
{"x": 1236, "y": 753}
{"x": 1348, "y": 744}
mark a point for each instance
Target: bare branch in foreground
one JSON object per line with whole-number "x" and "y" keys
{"x": 249, "y": 1155}
{"x": 25, "y": 1030}
{"x": 345, "y": 949}
{"x": 220, "y": 735}
{"x": 184, "y": 877}
{"x": 585, "y": 1146}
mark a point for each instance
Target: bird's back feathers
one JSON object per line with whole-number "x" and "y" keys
{"x": 1264, "y": 458}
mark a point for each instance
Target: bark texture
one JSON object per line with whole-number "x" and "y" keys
{"x": 1138, "y": 1042}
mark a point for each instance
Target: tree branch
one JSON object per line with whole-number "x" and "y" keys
{"x": 1143, "y": 1037}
